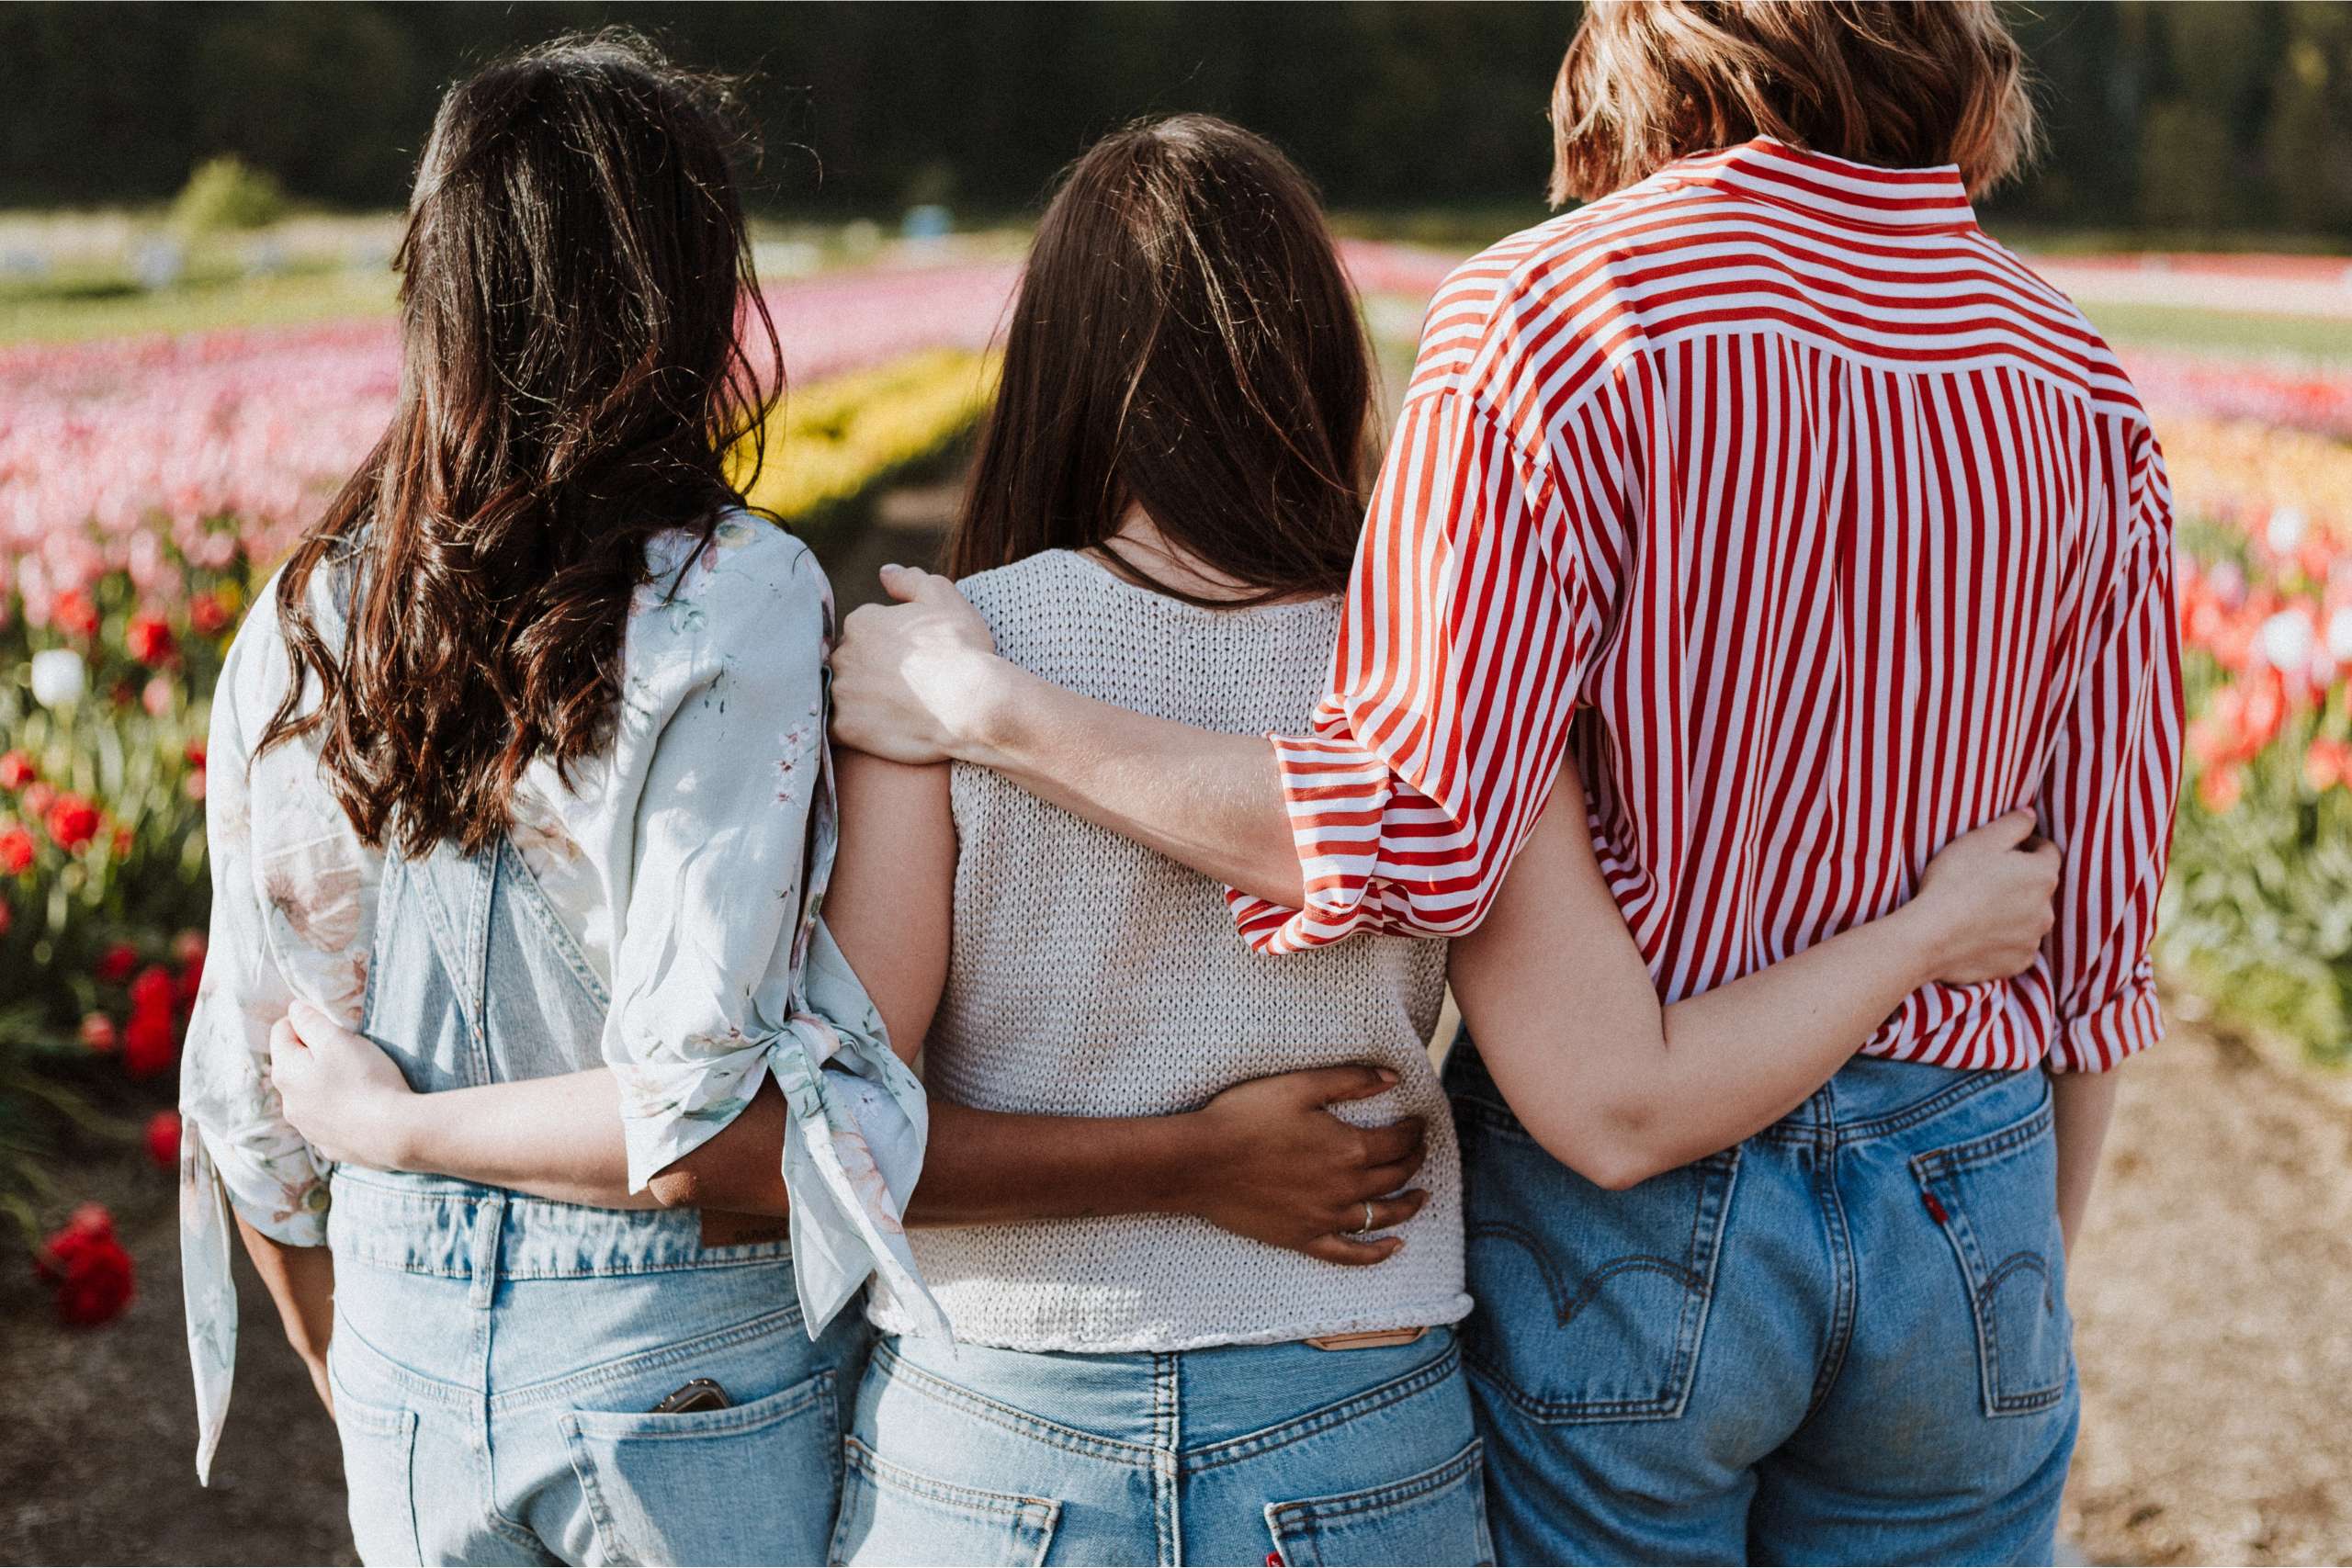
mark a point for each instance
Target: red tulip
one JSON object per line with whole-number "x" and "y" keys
{"x": 116, "y": 965}
{"x": 90, "y": 1268}
{"x": 163, "y": 1138}
{"x": 99, "y": 1034}
{"x": 38, "y": 798}
{"x": 207, "y": 616}
{"x": 2221, "y": 788}
{"x": 150, "y": 640}
{"x": 71, "y": 612}
{"x": 16, "y": 849}
{"x": 150, "y": 1042}
{"x": 153, "y": 990}
{"x": 17, "y": 770}
{"x": 73, "y": 822}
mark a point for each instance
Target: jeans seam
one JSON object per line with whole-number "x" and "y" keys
{"x": 1839, "y": 1233}
{"x": 1378, "y": 1499}
{"x": 621, "y": 1368}
{"x": 979, "y": 1406}
{"x": 1272, "y": 1439}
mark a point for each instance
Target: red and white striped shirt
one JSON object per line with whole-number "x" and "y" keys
{"x": 1851, "y": 535}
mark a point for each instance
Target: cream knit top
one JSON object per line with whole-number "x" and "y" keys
{"x": 1090, "y": 977}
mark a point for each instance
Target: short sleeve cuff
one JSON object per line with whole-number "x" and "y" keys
{"x": 1337, "y": 795}
{"x": 2122, "y": 1026}
{"x": 280, "y": 1195}
{"x": 670, "y": 1110}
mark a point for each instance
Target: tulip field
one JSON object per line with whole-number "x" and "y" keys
{"x": 148, "y": 485}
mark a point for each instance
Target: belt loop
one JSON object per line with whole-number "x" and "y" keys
{"x": 489, "y": 1219}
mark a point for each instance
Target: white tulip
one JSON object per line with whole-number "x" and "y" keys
{"x": 2286, "y": 530}
{"x": 2287, "y": 639}
{"x": 2339, "y": 634}
{"x": 58, "y": 678}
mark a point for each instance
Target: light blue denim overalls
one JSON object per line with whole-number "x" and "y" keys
{"x": 496, "y": 1357}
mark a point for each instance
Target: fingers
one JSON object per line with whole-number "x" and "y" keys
{"x": 1383, "y": 1178}
{"x": 1387, "y": 1214}
{"x": 283, "y": 1039}
{"x": 912, "y": 584}
{"x": 1406, "y": 1139}
{"x": 2010, "y": 829}
{"x": 1353, "y": 1254}
{"x": 1331, "y": 1086}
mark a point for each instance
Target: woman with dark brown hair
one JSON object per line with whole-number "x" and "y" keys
{"x": 1772, "y": 501}
{"x": 519, "y": 767}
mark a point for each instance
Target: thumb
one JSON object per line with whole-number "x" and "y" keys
{"x": 912, "y": 584}
{"x": 2011, "y": 829}
{"x": 307, "y": 1019}
{"x": 1357, "y": 1080}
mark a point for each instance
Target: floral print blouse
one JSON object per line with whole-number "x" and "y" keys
{"x": 688, "y": 862}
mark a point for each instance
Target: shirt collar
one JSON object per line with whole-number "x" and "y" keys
{"x": 1833, "y": 188}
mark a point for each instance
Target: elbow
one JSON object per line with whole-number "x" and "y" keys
{"x": 1613, "y": 1146}
{"x": 680, "y": 1186}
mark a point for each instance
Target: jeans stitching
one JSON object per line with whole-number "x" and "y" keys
{"x": 1380, "y": 1499}
{"x": 1070, "y": 1440}
{"x": 622, "y": 1368}
{"x": 1286, "y": 1434}
{"x": 1718, "y": 1178}
{"x": 1969, "y": 1155}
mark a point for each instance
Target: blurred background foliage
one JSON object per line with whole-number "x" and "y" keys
{"x": 2185, "y": 124}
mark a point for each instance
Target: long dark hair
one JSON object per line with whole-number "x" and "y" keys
{"x": 1185, "y": 341}
{"x": 575, "y": 280}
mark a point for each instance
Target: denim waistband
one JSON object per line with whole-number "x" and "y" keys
{"x": 426, "y": 1225}
{"x": 1216, "y": 1406}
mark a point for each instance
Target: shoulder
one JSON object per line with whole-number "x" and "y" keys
{"x": 752, "y": 578}
{"x": 2045, "y": 312}
{"x": 1542, "y": 314}
{"x": 1005, "y": 596}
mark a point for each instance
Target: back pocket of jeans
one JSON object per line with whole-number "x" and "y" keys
{"x": 1592, "y": 1304}
{"x": 380, "y": 1475}
{"x": 1995, "y": 1199}
{"x": 751, "y": 1483}
{"x": 892, "y": 1515}
{"x": 1439, "y": 1516}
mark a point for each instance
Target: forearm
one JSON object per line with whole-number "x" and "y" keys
{"x": 301, "y": 1281}
{"x": 1211, "y": 801}
{"x": 1738, "y": 1058}
{"x": 2083, "y": 1103}
{"x": 552, "y": 1137}
{"x": 986, "y": 1166}
{"x": 1621, "y": 1098}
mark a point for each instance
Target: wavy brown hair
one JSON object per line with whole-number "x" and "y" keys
{"x": 1185, "y": 341}
{"x": 575, "y": 282}
{"x": 1899, "y": 84}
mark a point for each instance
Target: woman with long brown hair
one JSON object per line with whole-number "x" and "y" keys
{"x": 520, "y": 769}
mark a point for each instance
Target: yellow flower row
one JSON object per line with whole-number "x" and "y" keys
{"x": 832, "y": 442}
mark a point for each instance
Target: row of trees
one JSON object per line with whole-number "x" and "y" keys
{"x": 2198, "y": 119}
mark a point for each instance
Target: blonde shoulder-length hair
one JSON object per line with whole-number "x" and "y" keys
{"x": 1900, "y": 83}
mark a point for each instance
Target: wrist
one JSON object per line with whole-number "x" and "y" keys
{"x": 398, "y": 1140}
{"x": 1181, "y": 1147}
{"x": 989, "y": 722}
{"x": 1923, "y": 940}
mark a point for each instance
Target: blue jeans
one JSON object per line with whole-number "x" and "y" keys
{"x": 1247, "y": 1453}
{"x": 496, "y": 1359}
{"x": 1844, "y": 1341}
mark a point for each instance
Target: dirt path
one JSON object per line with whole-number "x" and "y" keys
{"x": 2214, "y": 1293}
